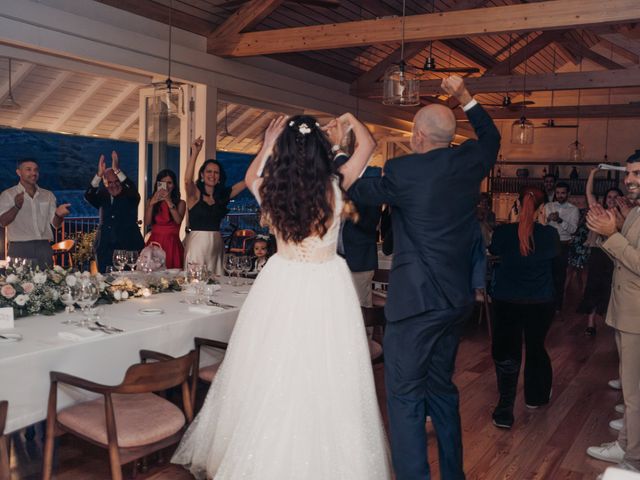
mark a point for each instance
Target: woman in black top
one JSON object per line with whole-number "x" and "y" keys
{"x": 523, "y": 292}
{"x": 207, "y": 200}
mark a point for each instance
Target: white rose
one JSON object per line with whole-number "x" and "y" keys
{"x": 55, "y": 295}
{"x": 146, "y": 292}
{"x": 21, "y": 300}
{"x": 125, "y": 295}
{"x": 117, "y": 295}
{"x": 11, "y": 278}
{"x": 58, "y": 269}
{"x": 39, "y": 278}
{"x": 71, "y": 280}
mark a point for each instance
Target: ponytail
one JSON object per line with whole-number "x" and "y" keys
{"x": 530, "y": 200}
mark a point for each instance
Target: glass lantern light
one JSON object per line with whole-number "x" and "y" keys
{"x": 576, "y": 151}
{"x": 401, "y": 86}
{"x": 522, "y": 131}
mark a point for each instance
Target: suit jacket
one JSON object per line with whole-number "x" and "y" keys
{"x": 433, "y": 197}
{"x": 359, "y": 240}
{"x": 118, "y": 227}
{"x": 624, "y": 249}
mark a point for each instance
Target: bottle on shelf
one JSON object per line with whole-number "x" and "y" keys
{"x": 574, "y": 174}
{"x": 544, "y": 172}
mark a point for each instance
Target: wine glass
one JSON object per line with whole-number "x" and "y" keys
{"x": 119, "y": 259}
{"x": 230, "y": 265}
{"x": 68, "y": 298}
{"x": 87, "y": 293}
{"x": 245, "y": 265}
{"x": 131, "y": 258}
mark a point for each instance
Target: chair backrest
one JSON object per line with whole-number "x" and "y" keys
{"x": 153, "y": 377}
{"x": 244, "y": 233}
{"x": 381, "y": 276}
{"x": 4, "y": 406}
{"x": 373, "y": 316}
{"x": 63, "y": 246}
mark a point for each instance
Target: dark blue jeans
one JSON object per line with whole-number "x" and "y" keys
{"x": 419, "y": 360}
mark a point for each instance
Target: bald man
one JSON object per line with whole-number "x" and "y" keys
{"x": 433, "y": 195}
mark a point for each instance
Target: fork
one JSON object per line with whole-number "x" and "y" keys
{"x": 108, "y": 327}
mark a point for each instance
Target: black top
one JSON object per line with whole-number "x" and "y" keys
{"x": 205, "y": 217}
{"x": 524, "y": 279}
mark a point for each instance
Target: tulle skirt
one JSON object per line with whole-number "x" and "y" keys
{"x": 295, "y": 397}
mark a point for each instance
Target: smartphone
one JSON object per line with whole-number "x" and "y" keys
{"x": 161, "y": 185}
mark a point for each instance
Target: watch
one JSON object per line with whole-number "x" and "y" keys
{"x": 335, "y": 148}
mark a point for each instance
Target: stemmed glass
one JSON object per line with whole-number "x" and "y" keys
{"x": 87, "y": 293}
{"x": 132, "y": 258}
{"x": 245, "y": 265}
{"x": 230, "y": 266}
{"x": 119, "y": 259}
{"x": 68, "y": 298}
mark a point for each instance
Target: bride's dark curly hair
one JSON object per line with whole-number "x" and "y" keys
{"x": 297, "y": 198}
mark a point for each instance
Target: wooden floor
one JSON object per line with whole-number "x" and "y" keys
{"x": 547, "y": 443}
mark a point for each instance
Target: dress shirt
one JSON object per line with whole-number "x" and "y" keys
{"x": 33, "y": 221}
{"x": 570, "y": 216}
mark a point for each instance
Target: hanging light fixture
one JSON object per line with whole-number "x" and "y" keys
{"x": 576, "y": 148}
{"x": 401, "y": 86}
{"x": 10, "y": 103}
{"x": 168, "y": 96}
{"x": 522, "y": 129}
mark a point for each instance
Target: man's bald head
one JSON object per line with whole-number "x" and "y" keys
{"x": 433, "y": 127}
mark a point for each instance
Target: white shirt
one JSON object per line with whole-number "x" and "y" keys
{"x": 570, "y": 216}
{"x": 33, "y": 221}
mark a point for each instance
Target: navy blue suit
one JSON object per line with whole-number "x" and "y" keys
{"x": 433, "y": 198}
{"x": 118, "y": 227}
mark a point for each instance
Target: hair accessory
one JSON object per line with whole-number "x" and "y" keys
{"x": 262, "y": 237}
{"x": 304, "y": 129}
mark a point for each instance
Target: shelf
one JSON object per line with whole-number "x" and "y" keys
{"x": 515, "y": 184}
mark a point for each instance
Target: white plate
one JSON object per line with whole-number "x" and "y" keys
{"x": 151, "y": 311}
{"x": 174, "y": 271}
{"x": 10, "y": 337}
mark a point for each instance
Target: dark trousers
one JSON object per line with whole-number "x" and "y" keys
{"x": 512, "y": 321}
{"x": 560, "y": 264}
{"x": 37, "y": 250}
{"x": 419, "y": 360}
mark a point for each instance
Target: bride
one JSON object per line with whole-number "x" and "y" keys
{"x": 295, "y": 397}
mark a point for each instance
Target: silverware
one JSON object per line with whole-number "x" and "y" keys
{"x": 221, "y": 305}
{"x": 5, "y": 338}
{"x": 109, "y": 327}
{"x": 100, "y": 329}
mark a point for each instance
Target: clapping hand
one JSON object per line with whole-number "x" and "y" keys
{"x": 553, "y": 217}
{"x": 101, "y": 166}
{"x": 624, "y": 206}
{"x": 63, "y": 210}
{"x": 115, "y": 163}
{"x": 601, "y": 221}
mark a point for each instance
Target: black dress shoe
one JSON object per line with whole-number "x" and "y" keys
{"x": 502, "y": 418}
{"x": 590, "y": 331}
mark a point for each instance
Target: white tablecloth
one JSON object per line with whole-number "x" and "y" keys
{"x": 25, "y": 365}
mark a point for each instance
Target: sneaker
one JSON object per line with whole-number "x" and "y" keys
{"x": 617, "y": 424}
{"x": 615, "y": 384}
{"x": 619, "y": 408}
{"x": 502, "y": 417}
{"x": 609, "y": 452}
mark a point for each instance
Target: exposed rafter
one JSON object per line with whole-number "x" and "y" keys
{"x": 113, "y": 105}
{"x": 37, "y": 102}
{"x": 590, "y": 111}
{"x": 16, "y": 79}
{"x": 246, "y": 17}
{"x": 73, "y": 108}
{"x": 124, "y": 126}
{"x": 548, "y": 15}
{"x": 527, "y": 51}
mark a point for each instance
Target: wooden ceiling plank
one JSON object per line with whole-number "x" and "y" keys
{"x": 17, "y": 77}
{"x": 113, "y": 105}
{"x": 526, "y": 52}
{"x": 377, "y": 71}
{"x": 471, "y": 51}
{"x": 75, "y": 106}
{"x": 245, "y": 18}
{"x": 558, "y": 14}
{"x": 124, "y": 126}
{"x": 618, "y": 50}
{"x": 37, "y": 102}
{"x": 580, "y": 48}
{"x": 586, "y": 111}
{"x": 540, "y": 82}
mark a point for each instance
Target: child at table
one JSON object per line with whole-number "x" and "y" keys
{"x": 260, "y": 254}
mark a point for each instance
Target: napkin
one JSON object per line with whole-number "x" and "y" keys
{"x": 205, "y": 309}
{"x": 79, "y": 334}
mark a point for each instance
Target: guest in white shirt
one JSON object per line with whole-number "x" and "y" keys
{"x": 29, "y": 212}
{"x": 549, "y": 183}
{"x": 564, "y": 217}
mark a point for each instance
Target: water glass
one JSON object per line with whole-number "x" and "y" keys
{"x": 87, "y": 293}
{"x": 68, "y": 298}
{"x": 119, "y": 259}
{"x": 132, "y": 258}
{"x": 230, "y": 266}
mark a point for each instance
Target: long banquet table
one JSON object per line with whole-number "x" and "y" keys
{"x": 25, "y": 365}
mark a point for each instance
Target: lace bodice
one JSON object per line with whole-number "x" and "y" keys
{"x": 312, "y": 249}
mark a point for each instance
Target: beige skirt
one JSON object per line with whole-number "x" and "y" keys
{"x": 205, "y": 248}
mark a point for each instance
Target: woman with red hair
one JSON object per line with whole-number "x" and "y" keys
{"x": 523, "y": 292}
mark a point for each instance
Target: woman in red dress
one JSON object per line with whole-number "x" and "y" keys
{"x": 164, "y": 212}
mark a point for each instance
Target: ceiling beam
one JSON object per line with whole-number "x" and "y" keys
{"x": 618, "y": 50}
{"x": 245, "y": 18}
{"x": 124, "y": 126}
{"x": 113, "y": 105}
{"x": 73, "y": 108}
{"x": 471, "y": 51}
{"x": 580, "y": 49}
{"x": 586, "y": 111}
{"x": 16, "y": 79}
{"x": 235, "y": 123}
{"x": 540, "y": 82}
{"x": 527, "y": 51}
{"x": 260, "y": 123}
{"x": 376, "y": 72}
{"x": 37, "y": 102}
{"x": 556, "y": 14}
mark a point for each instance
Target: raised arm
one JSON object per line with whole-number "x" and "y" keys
{"x": 271, "y": 134}
{"x": 588, "y": 192}
{"x": 189, "y": 174}
{"x": 237, "y": 188}
{"x": 365, "y": 145}
{"x": 91, "y": 194}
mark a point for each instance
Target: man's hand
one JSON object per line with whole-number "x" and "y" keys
{"x": 335, "y": 131}
{"x": 454, "y": 86}
{"x": 115, "y": 163}
{"x": 553, "y": 217}
{"x": 624, "y": 206}
{"x": 18, "y": 200}
{"x": 601, "y": 221}
{"x": 63, "y": 210}
{"x": 102, "y": 166}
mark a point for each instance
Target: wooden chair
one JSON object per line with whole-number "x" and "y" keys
{"x": 207, "y": 373}
{"x": 379, "y": 297}
{"x": 61, "y": 249}
{"x": 374, "y": 317}
{"x": 241, "y": 241}
{"x": 128, "y": 419}
{"x": 5, "y": 473}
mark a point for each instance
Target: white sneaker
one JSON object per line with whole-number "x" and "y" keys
{"x": 619, "y": 408}
{"x": 617, "y": 424}
{"x": 609, "y": 452}
{"x": 615, "y": 384}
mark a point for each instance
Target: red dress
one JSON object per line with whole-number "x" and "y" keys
{"x": 166, "y": 232}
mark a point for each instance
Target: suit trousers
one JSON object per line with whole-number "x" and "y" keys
{"x": 629, "y": 437}
{"x": 512, "y": 321}
{"x": 420, "y": 354}
{"x": 560, "y": 264}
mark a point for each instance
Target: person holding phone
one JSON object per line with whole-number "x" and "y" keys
{"x": 164, "y": 213}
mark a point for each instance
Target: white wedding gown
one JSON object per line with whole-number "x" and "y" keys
{"x": 294, "y": 398}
